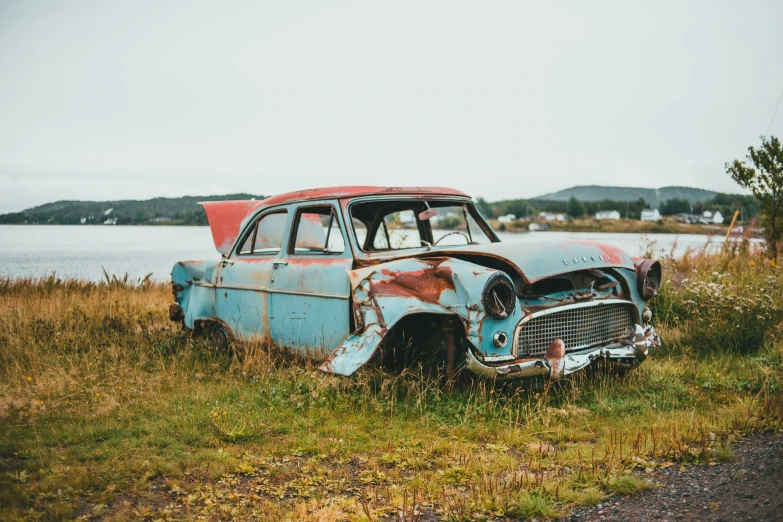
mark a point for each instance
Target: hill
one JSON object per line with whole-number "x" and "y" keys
{"x": 654, "y": 197}
{"x": 170, "y": 211}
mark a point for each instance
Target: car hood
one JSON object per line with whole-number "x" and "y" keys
{"x": 535, "y": 261}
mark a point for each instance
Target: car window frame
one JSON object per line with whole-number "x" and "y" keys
{"x": 469, "y": 204}
{"x": 252, "y": 228}
{"x": 294, "y": 228}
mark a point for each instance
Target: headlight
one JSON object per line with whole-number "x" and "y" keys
{"x": 648, "y": 278}
{"x": 498, "y": 297}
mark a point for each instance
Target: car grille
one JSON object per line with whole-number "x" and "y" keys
{"x": 578, "y": 327}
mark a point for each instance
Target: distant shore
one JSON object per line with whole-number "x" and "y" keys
{"x": 620, "y": 226}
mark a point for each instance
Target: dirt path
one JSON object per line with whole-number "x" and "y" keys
{"x": 748, "y": 488}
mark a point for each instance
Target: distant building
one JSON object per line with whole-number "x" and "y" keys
{"x": 607, "y": 214}
{"x": 551, "y": 216}
{"x": 110, "y": 221}
{"x": 508, "y": 218}
{"x": 83, "y": 220}
{"x": 709, "y": 218}
{"x": 651, "y": 215}
{"x": 537, "y": 227}
{"x": 683, "y": 218}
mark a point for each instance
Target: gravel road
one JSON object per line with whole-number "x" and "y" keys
{"x": 750, "y": 487}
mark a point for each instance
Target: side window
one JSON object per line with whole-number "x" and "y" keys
{"x": 318, "y": 232}
{"x": 266, "y": 238}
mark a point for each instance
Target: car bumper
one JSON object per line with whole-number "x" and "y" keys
{"x": 557, "y": 365}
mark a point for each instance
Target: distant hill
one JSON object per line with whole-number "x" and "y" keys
{"x": 654, "y": 197}
{"x": 169, "y": 211}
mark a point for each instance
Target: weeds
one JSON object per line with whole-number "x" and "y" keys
{"x": 107, "y": 410}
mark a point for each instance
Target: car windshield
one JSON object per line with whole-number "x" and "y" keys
{"x": 381, "y": 225}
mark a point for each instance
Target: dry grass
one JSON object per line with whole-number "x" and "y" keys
{"x": 108, "y": 411}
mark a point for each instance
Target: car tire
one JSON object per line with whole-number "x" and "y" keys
{"x": 219, "y": 338}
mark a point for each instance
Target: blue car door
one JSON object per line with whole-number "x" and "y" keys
{"x": 242, "y": 285}
{"x": 309, "y": 287}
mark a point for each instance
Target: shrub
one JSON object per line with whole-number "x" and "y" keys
{"x": 727, "y": 302}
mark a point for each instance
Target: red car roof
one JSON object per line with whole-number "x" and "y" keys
{"x": 225, "y": 217}
{"x": 354, "y": 191}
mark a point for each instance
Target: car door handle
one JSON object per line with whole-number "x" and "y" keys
{"x": 278, "y": 263}
{"x": 226, "y": 262}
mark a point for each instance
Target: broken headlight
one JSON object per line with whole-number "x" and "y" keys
{"x": 648, "y": 278}
{"x": 498, "y": 297}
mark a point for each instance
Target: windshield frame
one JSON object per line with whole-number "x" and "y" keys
{"x": 465, "y": 202}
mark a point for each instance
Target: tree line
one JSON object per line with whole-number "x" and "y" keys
{"x": 725, "y": 203}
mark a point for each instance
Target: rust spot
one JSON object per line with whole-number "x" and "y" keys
{"x": 426, "y": 284}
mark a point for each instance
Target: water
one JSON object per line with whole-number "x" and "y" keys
{"x": 83, "y": 252}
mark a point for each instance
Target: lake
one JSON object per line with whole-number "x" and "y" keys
{"x": 83, "y": 252}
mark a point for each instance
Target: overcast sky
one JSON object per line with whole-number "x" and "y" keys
{"x": 137, "y": 99}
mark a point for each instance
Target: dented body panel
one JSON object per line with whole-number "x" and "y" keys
{"x": 311, "y": 285}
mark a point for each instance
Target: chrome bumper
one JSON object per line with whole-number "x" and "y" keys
{"x": 633, "y": 351}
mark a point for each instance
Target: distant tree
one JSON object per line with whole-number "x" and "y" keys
{"x": 518, "y": 207}
{"x": 674, "y": 206}
{"x": 575, "y": 208}
{"x": 765, "y": 180}
{"x": 485, "y": 208}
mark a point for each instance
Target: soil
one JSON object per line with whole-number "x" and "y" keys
{"x": 750, "y": 487}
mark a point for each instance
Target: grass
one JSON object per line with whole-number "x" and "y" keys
{"x": 108, "y": 411}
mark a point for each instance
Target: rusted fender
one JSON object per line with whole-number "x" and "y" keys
{"x": 191, "y": 284}
{"x": 384, "y": 294}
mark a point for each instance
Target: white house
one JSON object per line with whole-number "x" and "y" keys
{"x": 508, "y": 218}
{"x": 551, "y": 216}
{"x": 708, "y": 217}
{"x": 651, "y": 215}
{"x": 607, "y": 214}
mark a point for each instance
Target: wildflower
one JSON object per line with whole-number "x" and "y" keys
{"x": 119, "y": 387}
{"x": 29, "y": 379}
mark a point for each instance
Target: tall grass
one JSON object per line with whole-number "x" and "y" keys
{"x": 109, "y": 411}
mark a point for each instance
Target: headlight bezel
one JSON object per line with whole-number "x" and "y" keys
{"x": 648, "y": 278}
{"x": 498, "y": 297}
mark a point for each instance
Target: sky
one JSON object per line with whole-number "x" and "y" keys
{"x": 104, "y": 100}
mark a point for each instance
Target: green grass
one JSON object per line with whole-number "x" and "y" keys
{"x": 108, "y": 411}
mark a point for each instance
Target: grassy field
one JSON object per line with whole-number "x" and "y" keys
{"x": 108, "y": 411}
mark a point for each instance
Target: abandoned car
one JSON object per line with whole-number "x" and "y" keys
{"x": 349, "y": 274}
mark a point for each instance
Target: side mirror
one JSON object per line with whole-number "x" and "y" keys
{"x": 428, "y": 214}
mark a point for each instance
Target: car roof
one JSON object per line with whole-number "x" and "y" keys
{"x": 226, "y": 218}
{"x": 356, "y": 191}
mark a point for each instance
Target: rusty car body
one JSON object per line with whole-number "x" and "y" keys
{"x": 337, "y": 274}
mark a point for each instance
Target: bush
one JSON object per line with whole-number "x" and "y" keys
{"x": 728, "y": 302}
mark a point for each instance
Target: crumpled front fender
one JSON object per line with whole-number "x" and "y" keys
{"x": 384, "y": 294}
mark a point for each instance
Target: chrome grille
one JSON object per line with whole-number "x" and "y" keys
{"x": 578, "y": 327}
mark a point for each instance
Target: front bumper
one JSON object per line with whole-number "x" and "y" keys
{"x": 557, "y": 364}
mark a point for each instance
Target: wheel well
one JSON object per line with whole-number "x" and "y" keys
{"x": 423, "y": 338}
